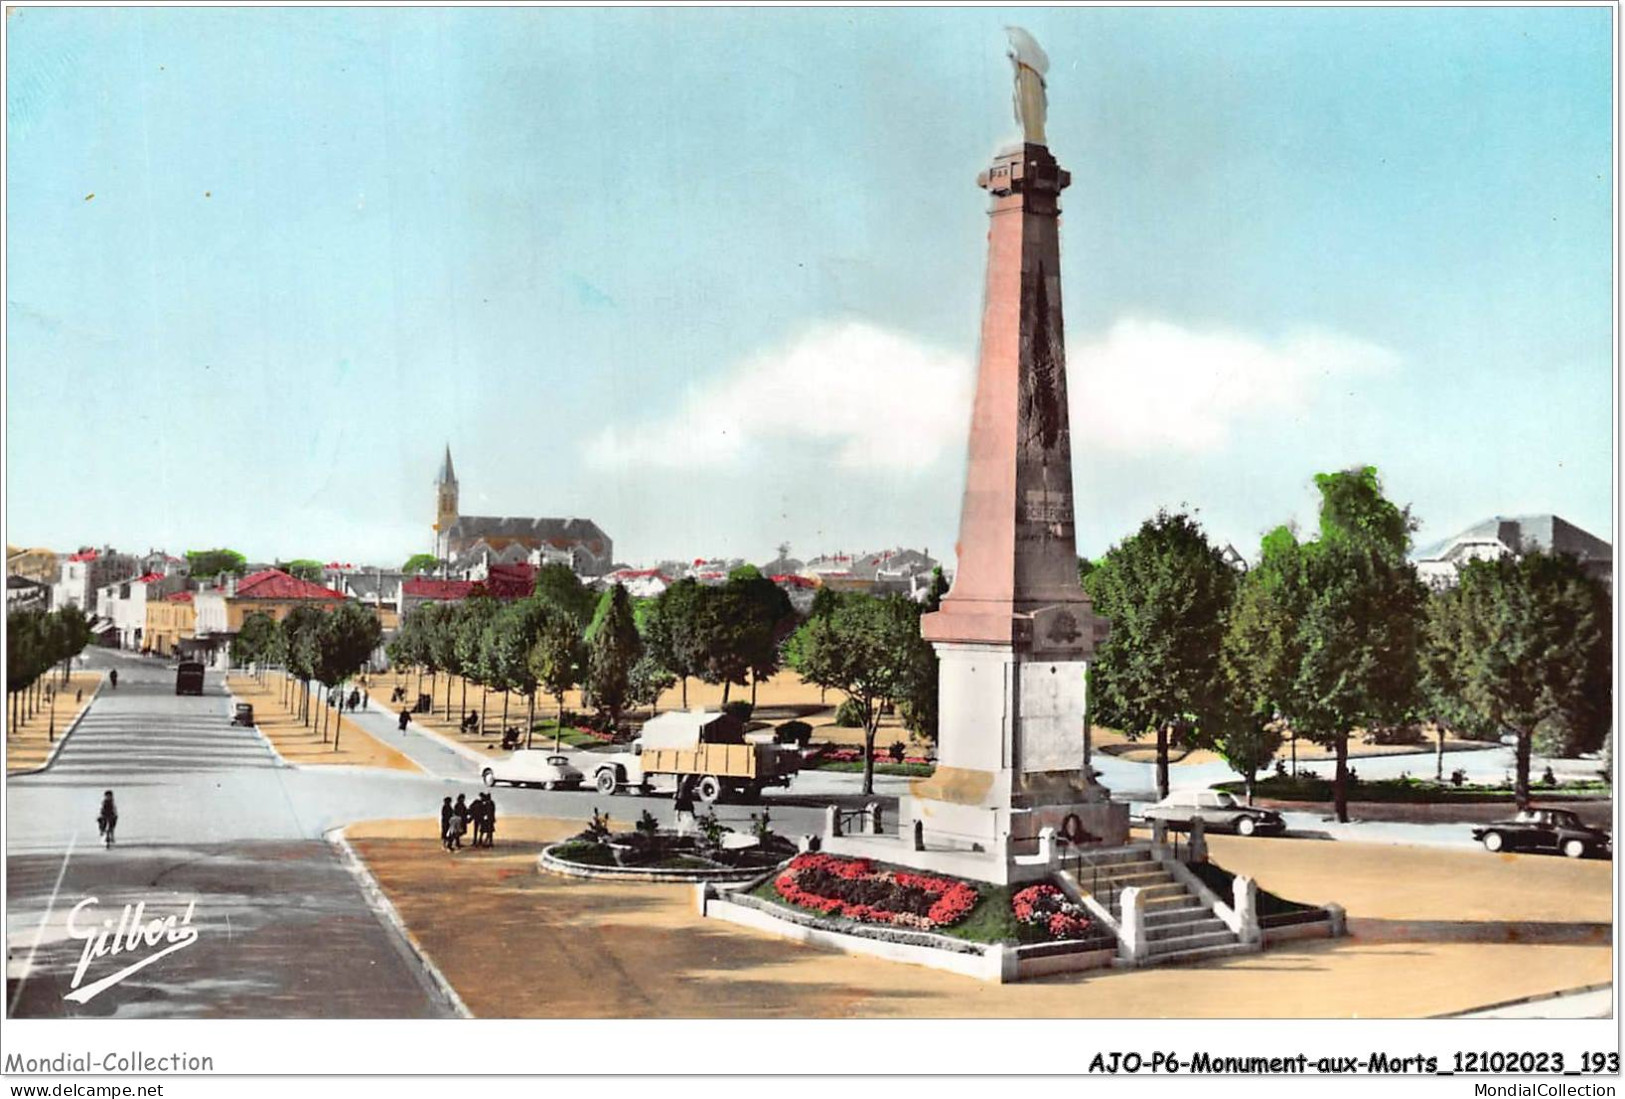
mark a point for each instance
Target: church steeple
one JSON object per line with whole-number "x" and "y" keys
{"x": 445, "y": 505}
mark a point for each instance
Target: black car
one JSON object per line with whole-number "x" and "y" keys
{"x": 1545, "y": 830}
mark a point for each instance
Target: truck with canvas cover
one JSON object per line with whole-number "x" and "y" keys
{"x": 707, "y": 747}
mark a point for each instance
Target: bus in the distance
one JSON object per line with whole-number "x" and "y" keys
{"x": 189, "y": 678}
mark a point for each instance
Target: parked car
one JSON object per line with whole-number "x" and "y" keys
{"x": 1218, "y": 809}
{"x": 534, "y": 767}
{"x": 1545, "y": 830}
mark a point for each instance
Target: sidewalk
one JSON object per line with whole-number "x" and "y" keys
{"x": 302, "y": 744}
{"x": 30, "y": 743}
{"x": 436, "y": 755}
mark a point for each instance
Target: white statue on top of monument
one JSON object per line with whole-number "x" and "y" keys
{"x": 1031, "y": 63}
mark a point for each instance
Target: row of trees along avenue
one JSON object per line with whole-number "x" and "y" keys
{"x": 623, "y": 654}
{"x": 37, "y": 642}
{"x": 1334, "y": 634}
{"x": 311, "y": 644}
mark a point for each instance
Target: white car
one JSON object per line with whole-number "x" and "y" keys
{"x": 534, "y": 767}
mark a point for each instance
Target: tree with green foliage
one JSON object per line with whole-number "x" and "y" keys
{"x": 1167, "y": 592}
{"x": 672, "y": 631}
{"x": 1331, "y": 628}
{"x": 204, "y": 564}
{"x": 557, "y": 659}
{"x": 301, "y": 634}
{"x": 305, "y": 568}
{"x": 421, "y": 562}
{"x": 870, "y": 649}
{"x": 349, "y": 636}
{"x": 255, "y": 642}
{"x": 648, "y": 682}
{"x": 613, "y": 649}
{"x": 509, "y": 639}
{"x": 559, "y": 586}
{"x": 470, "y": 623}
{"x": 1524, "y": 643}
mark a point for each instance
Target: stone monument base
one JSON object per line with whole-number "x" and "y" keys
{"x": 987, "y": 843}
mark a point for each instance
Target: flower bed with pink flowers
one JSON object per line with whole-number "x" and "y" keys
{"x": 856, "y": 889}
{"x": 1045, "y": 914}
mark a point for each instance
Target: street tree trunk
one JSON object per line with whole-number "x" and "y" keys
{"x": 530, "y": 718}
{"x": 1340, "y": 789}
{"x": 558, "y": 730}
{"x": 1438, "y": 771}
{"x": 462, "y": 706}
{"x": 1520, "y": 776}
{"x": 685, "y": 692}
{"x": 1162, "y": 760}
{"x": 871, "y": 725}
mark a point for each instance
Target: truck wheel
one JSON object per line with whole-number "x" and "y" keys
{"x": 605, "y": 781}
{"x": 710, "y": 790}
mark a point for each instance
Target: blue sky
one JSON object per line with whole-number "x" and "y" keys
{"x": 713, "y": 277}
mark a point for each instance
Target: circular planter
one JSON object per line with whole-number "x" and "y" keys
{"x": 664, "y": 845}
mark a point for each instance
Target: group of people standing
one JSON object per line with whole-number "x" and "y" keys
{"x": 460, "y": 817}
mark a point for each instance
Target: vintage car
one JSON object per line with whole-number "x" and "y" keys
{"x": 1545, "y": 830}
{"x": 1219, "y": 810}
{"x": 534, "y": 767}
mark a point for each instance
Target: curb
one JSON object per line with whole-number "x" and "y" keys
{"x": 1580, "y": 991}
{"x": 67, "y": 731}
{"x": 385, "y": 910}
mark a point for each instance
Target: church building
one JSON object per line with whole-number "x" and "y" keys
{"x": 461, "y": 538}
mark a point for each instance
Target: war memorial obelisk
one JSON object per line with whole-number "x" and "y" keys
{"x": 1016, "y": 631}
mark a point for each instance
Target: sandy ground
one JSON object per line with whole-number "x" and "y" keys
{"x": 28, "y": 743}
{"x": 1435, "y": 932}
{"x": 302, "y": 744}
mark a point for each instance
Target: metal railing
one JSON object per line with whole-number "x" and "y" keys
{"x": 1094, "y": 878}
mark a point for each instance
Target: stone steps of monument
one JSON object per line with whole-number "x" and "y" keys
{"x": 1185, "y": 929}
{"x": 1163, "y": 893}
{"x": 1202, "y": 953}
{"x": 1148, "y": 874}
{"x": 1177, "y": 913}
{"x": 1114, "y": 856}
{"x": 1182, "y": 944}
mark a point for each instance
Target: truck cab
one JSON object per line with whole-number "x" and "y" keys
{"x": 189, "y": 678}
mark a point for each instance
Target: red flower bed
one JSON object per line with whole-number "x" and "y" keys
{"x": 856, "y": 890}
{"x": 1046, "y": 909}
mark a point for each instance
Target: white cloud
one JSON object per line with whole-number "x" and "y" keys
{"x": 872, "y": 396}
{"x": 1149, "y": 385}
{"x": 875, "y": 397}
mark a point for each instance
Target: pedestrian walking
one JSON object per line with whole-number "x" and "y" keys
{"x": 107, "y": 820}
{"x": 490, "y": 819}
{"x": 112, "y": 677}
{"x": 355, "y": 699}
{"x": 447, "y": 815}
{"x": 405, "y": 720}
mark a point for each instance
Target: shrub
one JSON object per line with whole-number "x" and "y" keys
{"x": 1458, "y": 777}
{"x": 849, "y": 715}
{"x": 647, "y": 824}
{"x": 740, "y": 708}
{"x": 897, "y": 750}
{"x": 597, "y": 830}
